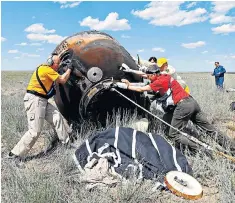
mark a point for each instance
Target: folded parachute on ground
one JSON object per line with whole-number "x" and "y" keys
{"x": 150, "y": 156}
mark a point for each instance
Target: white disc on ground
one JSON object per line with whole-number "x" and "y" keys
{"x": 183, "y": 185}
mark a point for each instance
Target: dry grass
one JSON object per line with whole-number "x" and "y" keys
{"x": 55, "y": 178}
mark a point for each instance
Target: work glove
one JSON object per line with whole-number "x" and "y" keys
{"x": 67, "y": 64}
{"x": 71, "y": 67}
{"x": 125, "y": 68}
{"x": 143, "y": 68}
{"x": 108, "y": 85}
{"x": 121, "y": 85}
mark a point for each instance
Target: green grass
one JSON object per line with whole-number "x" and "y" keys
{"x": 55, "y": 178}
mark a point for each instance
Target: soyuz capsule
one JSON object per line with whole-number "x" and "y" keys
{"x": 97, "y": 58}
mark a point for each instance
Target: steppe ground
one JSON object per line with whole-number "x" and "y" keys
{"x": 55, "y": 177}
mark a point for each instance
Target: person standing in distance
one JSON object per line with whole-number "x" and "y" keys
{"x": 219, "y": 72}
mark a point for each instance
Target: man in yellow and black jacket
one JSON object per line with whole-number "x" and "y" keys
{"x": 37, "y": 107}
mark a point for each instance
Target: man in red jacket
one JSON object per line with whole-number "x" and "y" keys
{"x": 186, "y": 107}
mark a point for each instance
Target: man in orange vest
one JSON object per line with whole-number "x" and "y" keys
{"x": 37, "y": 107}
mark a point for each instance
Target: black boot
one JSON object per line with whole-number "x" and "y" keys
{"x": 12, "y": 156}
{"x": 16, "y": 160}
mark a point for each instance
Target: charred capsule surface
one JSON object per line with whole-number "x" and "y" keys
{"x": 97, "y": 58}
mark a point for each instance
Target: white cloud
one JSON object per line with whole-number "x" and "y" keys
{"x": 22, "y": 44}
{"x": 224, "y": 29}
{"x": 40, "y": 49}
{"x": 111, "y": 22}
{"x": 67, "y": 4}
{"x": 3, "y": 39}
{"x": 191, "y": 5}
{"x": 141, "y": 50}
{"x": 219, "y": 56}
{"x": 22, "y": 54}
{"x": 220, "y": 18}
{"x": 193, "y": 44}
{"x": 30, "y": 55}
{"x": 204, "y": 52}
{"x": 38, "y": 28}
{"x": 70, "y": 5}
{"x": 125, "y": 36}
{"x": 232, "y": 56}
{"x": 223, "y": 57}
{"x": 33, "y": 55}
{"x": 33, "y": 17}
{"x": 223, "y": 6}
{"x": 219, "y": 11}
{"x": 52, "y": 39}
{"x": 14, "y": 51}
{"x": 35, "y": 44}
{"x": 39, "y": 33}
{"x": 60, "y": 2}
{"x": 168, "y": 13}
{"x": 210, "y": 62}
{"x": 158, "y": 49}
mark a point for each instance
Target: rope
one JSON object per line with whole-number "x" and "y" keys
{"x": 183, "y": 133}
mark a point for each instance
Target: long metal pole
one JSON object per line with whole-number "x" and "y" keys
{"x": 183, "y": 133}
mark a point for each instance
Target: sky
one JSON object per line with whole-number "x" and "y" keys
{"x": 192, "y": 35}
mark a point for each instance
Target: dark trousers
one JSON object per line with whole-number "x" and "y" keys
{"x": 189, "y": 109}
{"x": 167, "y": 117}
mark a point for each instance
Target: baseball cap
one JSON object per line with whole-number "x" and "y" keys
{"x": 153, "y": 69}
{"x": 161, "y": 61}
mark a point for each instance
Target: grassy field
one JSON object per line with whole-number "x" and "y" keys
{"x": 55, "y": 178}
